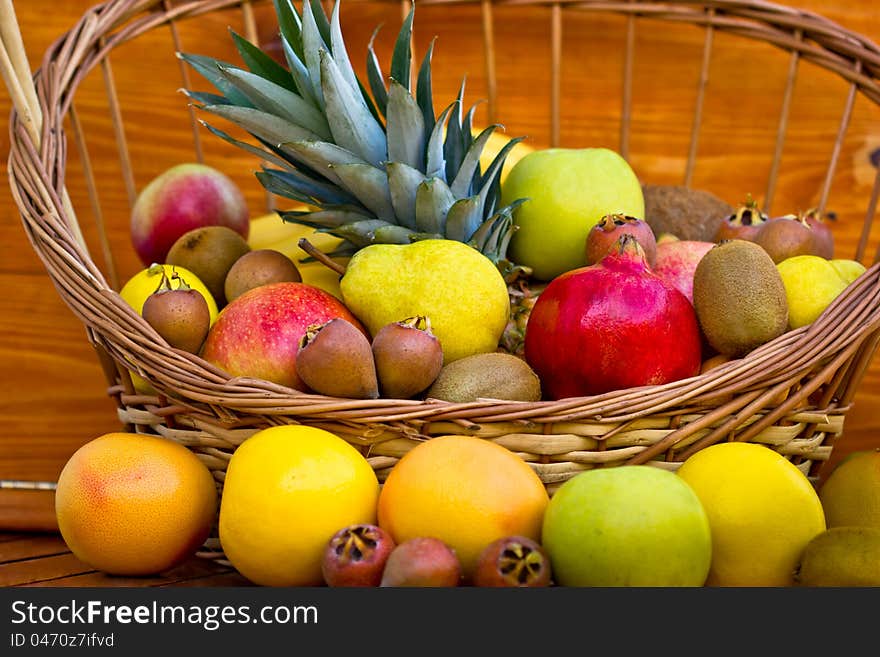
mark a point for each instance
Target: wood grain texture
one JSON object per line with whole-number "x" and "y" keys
{"x": 53, "y": 390}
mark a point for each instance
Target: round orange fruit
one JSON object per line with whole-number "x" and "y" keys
{"x": 464, "y": 490}
{"x": 133, "y": 504}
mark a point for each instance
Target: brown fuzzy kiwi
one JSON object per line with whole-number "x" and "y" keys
{"x": 495, "y": 375}
{"x": 259, "y": 267}
{"x": 208, "y": 252}
{"x": 689, "y": 214}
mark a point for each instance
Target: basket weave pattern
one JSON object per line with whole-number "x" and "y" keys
{"x": 791, "y": 394}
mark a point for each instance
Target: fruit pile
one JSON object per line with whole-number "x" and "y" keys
{"x": 302, "y": 507}
{"x": 411, "y": 268}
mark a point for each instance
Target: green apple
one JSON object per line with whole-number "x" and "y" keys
{"x": 568, "y": 191}
{"x": 629, "y": 525}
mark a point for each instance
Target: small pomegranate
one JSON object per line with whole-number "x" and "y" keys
{"x": 608, "y": 230}
{"x": 180, "y": 314}
{"x": 513, "y": 561}
{"x": 356, "y": 556}
{"x": 610, "y": 326}
{"x": 742, "y": 224}
{"x": 823, "y": 238}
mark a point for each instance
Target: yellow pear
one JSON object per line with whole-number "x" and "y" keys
{"x": 459, "y": 289}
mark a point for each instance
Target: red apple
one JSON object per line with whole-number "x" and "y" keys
{"x": 677, "y": 261}
{"x": 182, "y": 198}
{"x": 258, "y": 334}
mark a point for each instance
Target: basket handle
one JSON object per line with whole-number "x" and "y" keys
{"x": 17, "y": 76}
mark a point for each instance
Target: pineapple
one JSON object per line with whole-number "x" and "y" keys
{"x": 371, "y": 167}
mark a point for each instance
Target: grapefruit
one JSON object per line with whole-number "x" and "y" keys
{"x": 288, "y": 490}
{"x": 762, "y": 511}
{"x": 464, "y": 490}
{"x": 134, "y": 504}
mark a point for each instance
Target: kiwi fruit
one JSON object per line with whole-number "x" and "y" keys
{"x": 841, "y": 556}
{"x": 209, "y": 252}
{"x": 256, "y": 268}
{"x": 492, "y": 375}
{"x": 689, "y": 214}
{"x": 739, "y": 297}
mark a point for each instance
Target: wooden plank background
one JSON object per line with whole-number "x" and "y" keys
{"x": 53, "y": 390}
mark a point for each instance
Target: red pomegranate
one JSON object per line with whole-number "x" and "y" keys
{"x": 610, "y": 326}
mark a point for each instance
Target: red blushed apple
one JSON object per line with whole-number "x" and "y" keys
{"x": 258, "y": 334}
{"x": 182, "y": 198}
{"x": 677, "y": 261}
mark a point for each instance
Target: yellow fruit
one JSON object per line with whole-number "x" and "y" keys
{"x": 464, "y": 490}
{"x": 133, "y": 504}
{"x": 287, "y": 490}
{"x": 849, "y": 270}
{"x": 851, "y": 493}
{"x": 271, "y": 232}
{"x": 143, "y": 284}
{"x": 811, "y": 283}
{"x": 762, "y": 511}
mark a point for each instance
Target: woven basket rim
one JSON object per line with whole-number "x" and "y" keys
{"x": 839, "y": 337}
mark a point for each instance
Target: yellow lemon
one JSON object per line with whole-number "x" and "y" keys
{"x": 849, "y": 270}
{"x": 143, "y": 284}
{"x": 762, "y": 512}
{"x": 287, "y": 490}
{"x": 811, "y": 283}
{"x": 851, "y": 493}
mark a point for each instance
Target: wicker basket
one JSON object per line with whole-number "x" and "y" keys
{"x": 791, "y": 394}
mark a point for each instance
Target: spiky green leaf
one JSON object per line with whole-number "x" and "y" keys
{"x": 393, "y": 235}
{"x": 209, "y": 68}
{"x": 462, "y": 186}
{"x": 401, "y": 57}
{"x": 453, "y": 150}
{"x": 250, "y": 148}
{"x": 319, "y": 156}
{"x": 274, "y": 99}
{"x": 403, "y": 181}
{"x": 338, "y": 50}
{"x": 313, "y": 46}
{"x": 290, "y": 25}
{"x": 320, "y": 18}
{"x": 360, "y": 233}
{"x": 324, "y": 218}
{"x": 375, "y": 77}
{"x": 433, "y": 200}
{"x": 368, "y": 185}
{"x": 352, "y": 125}
{"x": 268, "y": 127}
{"x": 405, "y": 127}
{"x": 300, "y": 74}
{"x": 261, "y": 64}
{"x": 435, "y": 160}
{"x": 319, "y": 192}
{"x": 463, "y": 218}
{"x": 424, "y": 93}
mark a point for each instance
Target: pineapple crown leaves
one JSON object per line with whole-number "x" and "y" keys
{"x": 374, "y": 161}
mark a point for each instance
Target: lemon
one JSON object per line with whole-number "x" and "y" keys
{"x": 762, "y": 512}
{"x": 851, "y": 493}
{"x": 849, "y": 270}
{"x": 287, "y": 490}
{"x": 811, "y": 284}
{"x": 142, "y": 285}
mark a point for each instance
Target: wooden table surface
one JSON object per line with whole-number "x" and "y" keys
{"x": 53, "y": 391}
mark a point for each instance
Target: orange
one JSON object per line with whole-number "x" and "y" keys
{"x": 133, "y": 504}
{"x": 464, "y": 490}
{"x": 287, "y": 490}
